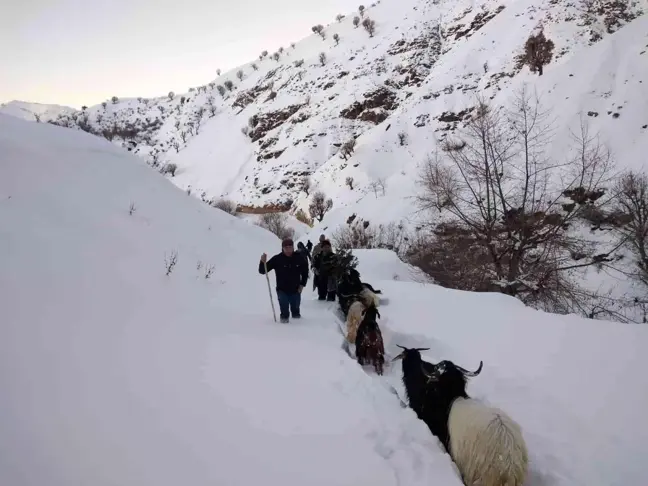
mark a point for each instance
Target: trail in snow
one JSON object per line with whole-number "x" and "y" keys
{"x": 552, "y": 461}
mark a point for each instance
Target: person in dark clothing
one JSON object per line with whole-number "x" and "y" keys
{"x": 291, "y": 271}
{"x": 315, "y": 252}
{"x": 309, "y": 246}
{"x": 303, "y": 251}
{"x": 324, "y": 267}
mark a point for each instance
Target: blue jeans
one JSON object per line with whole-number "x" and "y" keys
{"x": 287, "y": 301}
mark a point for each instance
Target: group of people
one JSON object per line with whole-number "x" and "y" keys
{"x": 291, "y": 269}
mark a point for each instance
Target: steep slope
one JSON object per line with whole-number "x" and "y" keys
{"x": 34, "y": 111}
{"x": 425, "y": 60}
{"x": 276, "y": 134}
{"x": 114, "y": 373}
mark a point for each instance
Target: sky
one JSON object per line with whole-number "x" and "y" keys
{"x": 82, "y": 52}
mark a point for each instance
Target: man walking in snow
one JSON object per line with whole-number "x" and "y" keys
{"x": 291, "y": 271}
{"x": 324, "y": 268}
{"x": 316, "y": 250}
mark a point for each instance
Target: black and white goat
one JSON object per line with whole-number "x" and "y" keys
{"x": 485, "y": 443}
{"x": 369, "y": 342}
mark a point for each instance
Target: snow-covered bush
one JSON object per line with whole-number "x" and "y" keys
{"x": 239, "y": 74}
{"x": 229, "y": 85}
{"x": 336, "y": 38}
{"x": 356, "y": 21}
{"x": 170, "y": 168}
{"x": 221, "y": 90}
{"x": 322, "y": 58}
{"x": 171, "y": 95}
{"x": 319, "y": 29}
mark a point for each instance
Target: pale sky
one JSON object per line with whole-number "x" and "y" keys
{"x": 81, "y": 52}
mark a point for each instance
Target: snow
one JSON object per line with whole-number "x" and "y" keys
{"x": 114, "y": 373}
{"x": 28, "y": 111}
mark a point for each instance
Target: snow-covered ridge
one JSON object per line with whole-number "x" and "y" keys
{"x": 35, "y": 111}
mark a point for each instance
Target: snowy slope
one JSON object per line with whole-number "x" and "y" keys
{"x": 34, "y": 111}
{"x": 284, "y": 120}
{"x": 114, "y": 373}
{"x": 577, "y": 387}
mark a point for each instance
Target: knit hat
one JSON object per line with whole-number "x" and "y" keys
{"x": 287, "y": 242}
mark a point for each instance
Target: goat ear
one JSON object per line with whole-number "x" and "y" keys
{"x": 400, "y": 356}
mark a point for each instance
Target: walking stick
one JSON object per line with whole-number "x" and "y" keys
{"x": 274, "y": 315}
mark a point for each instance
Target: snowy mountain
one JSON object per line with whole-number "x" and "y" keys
{"x": 34, "y": 111}
{"x": 122, "y": 364}
{"x": 356, "y": 109}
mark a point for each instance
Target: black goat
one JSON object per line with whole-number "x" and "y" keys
{"x": 369, "y": 342}
{"x": 414, "y": 378}
{"x": 485, "y": 443}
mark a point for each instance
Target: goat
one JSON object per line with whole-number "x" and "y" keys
{"x": 414, "y": 378}
{"x": 353, "y": 319}
{"x": 349, "y": 286}
{"x": 485, "y": 443}
{"x": 369, "y": 342}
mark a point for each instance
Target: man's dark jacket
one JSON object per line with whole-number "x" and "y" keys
{"x": 291, "y": 271}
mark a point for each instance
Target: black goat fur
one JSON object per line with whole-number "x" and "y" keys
{"x": 350, "y": 285}
{"x": 369, "y": 344}
{"x": 432, "y": 400}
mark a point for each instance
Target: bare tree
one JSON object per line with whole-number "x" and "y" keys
{"x": 356, "y": 21}
{"x": 319, "y": 206}
{"x": 361, "y": 9}
{"x": 218, "y": 72}
{"x": 298, "y": 63}
{"x": 229, "y": 85}
{"x": 632, "y": 203}
{"x": 114, "y": 99}
{"x": 276, "y": 223}
{"x": 349, "y": 182}
{"x": 183, "y": 136}
{"x": 225, "y": 205}
{"x": 221, "y": 90}
{"x": 170, "y": 262}
{"x": 171, "y": 95}
{"x": 37, "y": 117}
{"x": 369, "y": 25}
{"x": 132, "y": 208}
{"x": 280, "y": 50}
{"x": 402, "y": 138}
{"x": 347, "y": 148}
{"x": 176, "y": 145}
{"x": 276, "y": 56}
{"x": 306, "y": 184}
{"x": 322, "y": 58}
{"x": 339, "y": 17}
{"x": 239, "y": 74}
{"x": 293, "y": 45}
{"x": 212, "y": 106}
{"x": 336, "y": 38}
{"x": 255, "y": 66}
{"x": 507, "y": 197}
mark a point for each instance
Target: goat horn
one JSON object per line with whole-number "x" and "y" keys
{"x": 421, "y": 349}
{"x": 402, "y": 347}
{"x": 471, "y": 373}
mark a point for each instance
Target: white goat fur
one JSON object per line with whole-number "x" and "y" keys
{"x": 487, "y": 445}
{"x": 369, "y": 298}
{"x": 354, "y": 318}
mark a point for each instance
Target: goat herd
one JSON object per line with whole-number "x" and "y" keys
{"x": 485, "y": 443}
